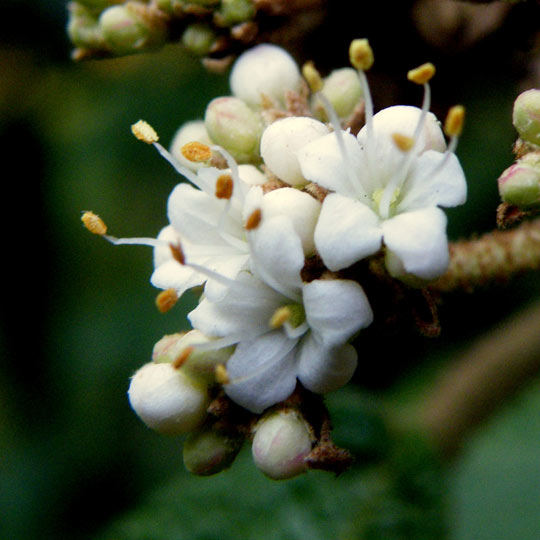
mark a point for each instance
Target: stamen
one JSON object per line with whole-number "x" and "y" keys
{"x": 403, "y": 142}
{"x": 181, "y": 359}
{"x": 94, "y": 223}
{"x": 222, "y": 377}
{"x": 422, "y": 74}
{"x": 361, "y": 54}
{"x": 178, "y": 253}
{"x": 453, "y": 125}
{"x": 196, "y": 152}
{"x": 312, "y": 76}
{"x": 166, "y": 300}
{"x": 144, "y": 132}
{"x": 253, "y": 220}
{"x": 224, "y": 186}
{"x": 151, "y": 242}
{"x": 280, "y": 317}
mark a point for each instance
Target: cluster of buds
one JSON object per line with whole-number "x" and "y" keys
{"x": 289, "y": 212}
{"x": 214, "y": 29}
{"x": 519, "y": 184}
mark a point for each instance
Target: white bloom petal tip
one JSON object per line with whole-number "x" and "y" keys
{"x": 281, "y": 443}
{"x": 167, "y": 400}
{"x": 144, "y": 132}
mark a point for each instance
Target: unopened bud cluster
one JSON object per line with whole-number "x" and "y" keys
{"x": 519, "y": 184}
{"x": 284, "y": 200}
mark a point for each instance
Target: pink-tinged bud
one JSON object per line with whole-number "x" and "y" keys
{"x": 526, "y": 116}
{"x": 519, "y": 185}
{"x": 167, "y": 400}
{"x": 281, "y": 443}
{"x": 343, "y": 90}
{"x": 209, "y": 451}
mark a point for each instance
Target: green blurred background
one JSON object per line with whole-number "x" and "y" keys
{"x": 75, "y": 462}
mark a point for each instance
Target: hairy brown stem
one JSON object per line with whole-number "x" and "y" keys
{"x": 487, "y": 375}
{"x": 495, "y": 256}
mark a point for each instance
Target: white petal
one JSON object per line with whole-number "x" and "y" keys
{"x": 300, "y": 207}
{"x": 227, "y": 266}
{"x": 277, "y": 255}
{"x": 172, "y": 275}
{"x": 419, "y": 240}
{"x": 163, "y": 253}
{"x": 322, "y": 161}
{"x": 262, "y": 371}
{"x": 335, "y": 309}
{"x": 322, "y": 369}
{"x": 251, "y": 175}
{"x": 346, "y": 232}
{"x": 429, "y": 184}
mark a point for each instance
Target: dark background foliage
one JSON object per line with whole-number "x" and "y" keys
{"x": 78, "y": 317}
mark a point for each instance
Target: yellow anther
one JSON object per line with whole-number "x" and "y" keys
{"x": 144, "y": 132}
{"x": 453, "y": 125}
{"x": 422, "y": 74}
{"x": 177, "y": 253}
{"x": 221, "y": 375}
{"x": 280, "y": 317}
{"x": 224, "y": 186}
{"x": 361, "y": 54}
{"x": 181, "y": 359}
{"x": 403, "y": 142}
{"x": 94, "y": 223}
{"x": 254, "y": 219}
{"x": 166, "y": 300}
{"x": 312, "y": 76}
{"x": 196, "y": 152}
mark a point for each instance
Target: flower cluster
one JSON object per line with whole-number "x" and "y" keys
{"x": 282, "y": 199}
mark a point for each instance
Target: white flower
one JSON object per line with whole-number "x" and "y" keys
{"x": 386, "y": 194}
{"x": 264, "y": 69}
{"x": 284, "y": 328}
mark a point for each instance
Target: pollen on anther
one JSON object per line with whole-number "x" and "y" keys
{"x": 254, "y": 219}
{"x": 166, "y": 300}
{"x": 196, "y": 151}
{"x": 361, "y": 54}
{"x": 181, "y": 359}
{"x": 280, "y": 317}
{"x": 224, "y": 186}
{"x": 177, "y": 253}
{"x": 422, "y": 74}
{"x": 144, "y": 132}
{"x": 221, "y": 375}
{"x": 94, "y": 223}
{"x": 312, "y": 76}
{"x": 453, "y": 125}
{"x": 403, "y": 142}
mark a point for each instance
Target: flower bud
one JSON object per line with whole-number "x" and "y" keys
{"x": 132, "y": 27}
{"x": 209, "y": 451}
{"x": 526, "y": 116}
{"x": 233, "y": 125}
{"x": 181, "y": 351}
{"x": 83, "y": 28}
{"x": 519, "y": 185}
{"x": 343, "y": 90}
{"x": 282, "y": 139}
{"x": 198, "y": 38}
{"x": 264, "y": 69}
{"x": 234, "y": 11}
{"x": 194, "y": 131}
{"x": 167, "y": 400}
{"x": 281, "y": 443}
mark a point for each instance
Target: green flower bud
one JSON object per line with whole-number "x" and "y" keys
{"x": 343, "y": 90}
{"x": 519, "y": 185}
{"x": 233, "y": 125}
{"x": 209, "y": 451}
{"x": 83, "y": 28}
{"x": 232, "y": 12}
{"x": 167, "y": 400}
{"x": 198, "y": 38}
{"x": 526, "y": 116}
{"x": 180, "y": 350}
{"x": 132, "y": 27}
{"x": 281, "y": 443}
